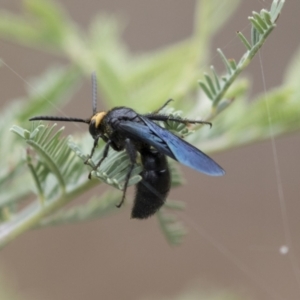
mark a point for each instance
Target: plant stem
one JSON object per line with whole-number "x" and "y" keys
{"x": 34, "y": 213}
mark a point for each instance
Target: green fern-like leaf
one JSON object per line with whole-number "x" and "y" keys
{"x": 262, "y": 25}
{"x": 93, "y": 209}
{"x": 172, "y": 228}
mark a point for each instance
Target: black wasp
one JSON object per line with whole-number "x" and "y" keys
{"x": 121, "y": 128}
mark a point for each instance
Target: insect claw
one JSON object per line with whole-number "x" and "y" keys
{"x": 119, "y": 205}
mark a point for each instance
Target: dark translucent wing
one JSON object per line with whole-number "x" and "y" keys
{"x": 170, "y": 145}
{"x": 184, "y": 152}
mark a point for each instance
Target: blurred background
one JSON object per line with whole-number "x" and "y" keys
{"x": 236, "y": 241}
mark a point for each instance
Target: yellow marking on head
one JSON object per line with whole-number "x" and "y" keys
{"x": 98, "y": 118}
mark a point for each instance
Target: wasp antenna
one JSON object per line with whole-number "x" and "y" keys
{"x": 60, "y": 119}
{"x": 94, "y": 88}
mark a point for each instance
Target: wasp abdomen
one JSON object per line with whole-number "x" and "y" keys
{"x": 152, "y": 190}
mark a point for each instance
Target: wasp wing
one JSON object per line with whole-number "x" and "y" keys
{"x": 186, "y": 153}
{"x": 171, "y": 145}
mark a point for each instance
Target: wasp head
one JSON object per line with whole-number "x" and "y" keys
{"x": 95, "y": 124}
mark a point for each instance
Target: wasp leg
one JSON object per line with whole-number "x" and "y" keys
{"x": 93, "y": 150}
{"x": 166, "y": 118}
{"x": 161, "y": 108}
{"x": 132, "y": 153}
{"x": 105, "y": 153}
